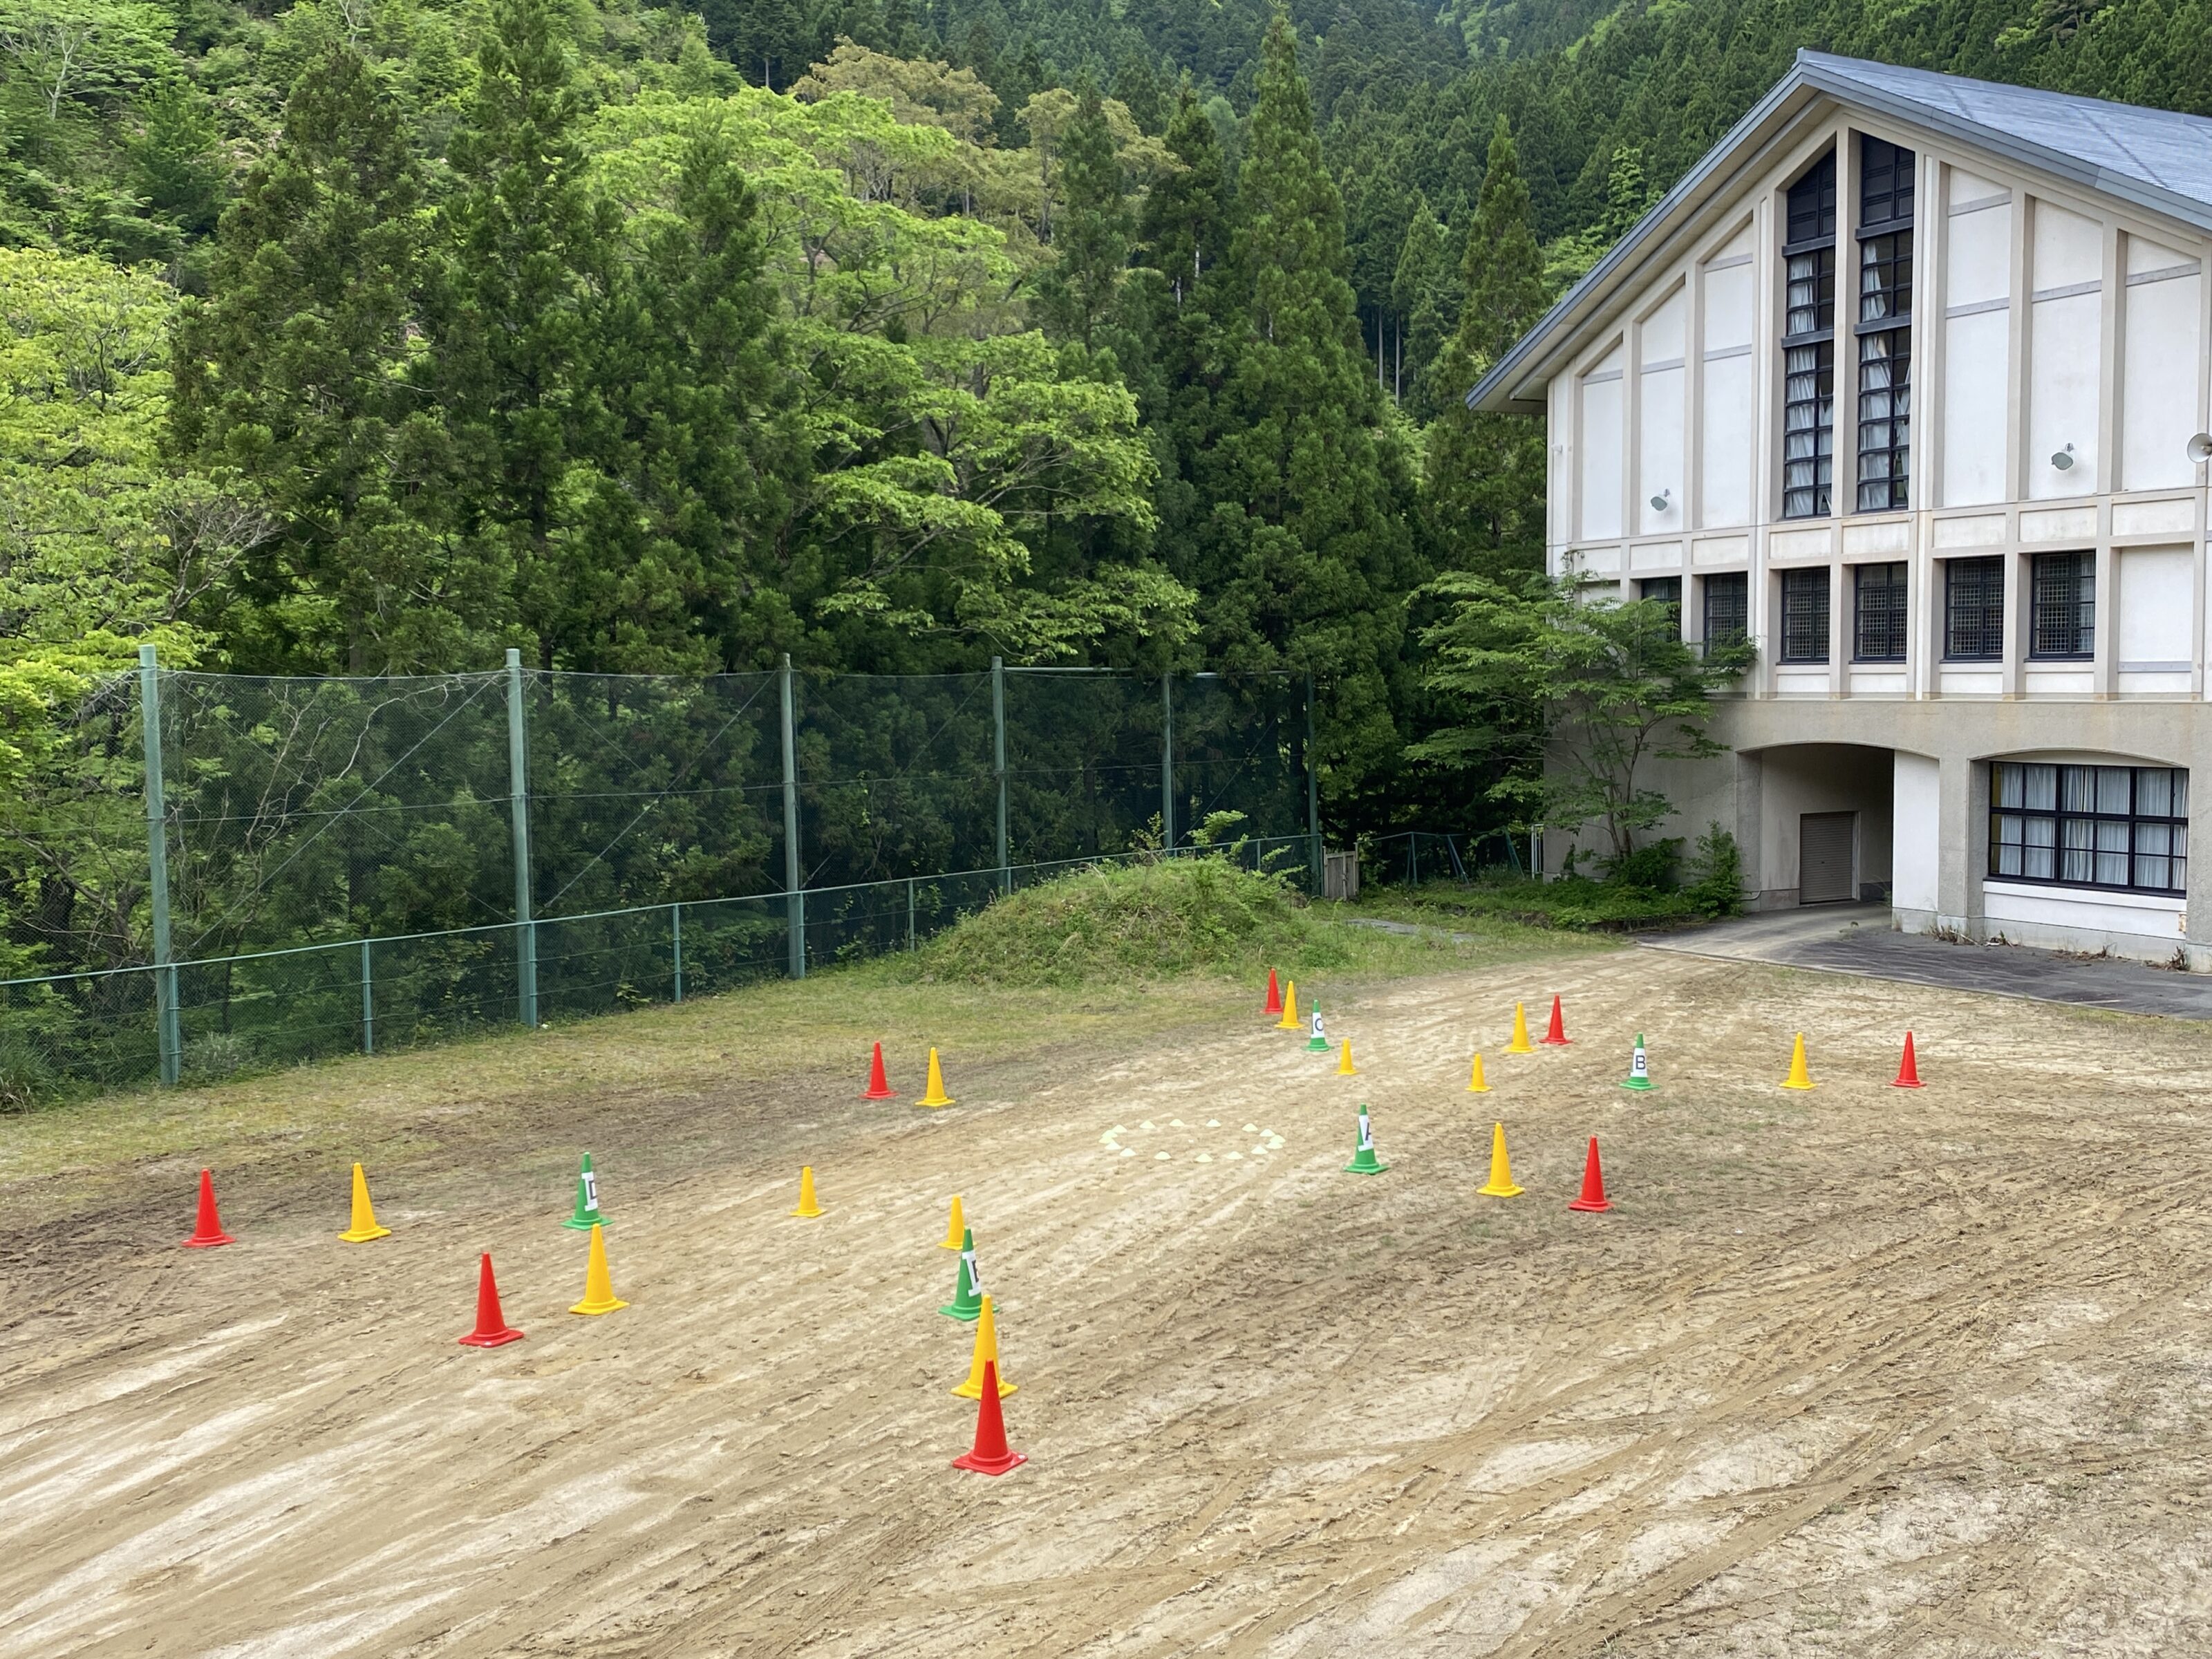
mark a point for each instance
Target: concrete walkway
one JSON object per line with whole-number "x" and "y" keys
{"x": 1857, "y": 938}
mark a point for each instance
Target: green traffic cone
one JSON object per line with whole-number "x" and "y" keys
{"x": 1364, "y": 1161}
{"x": 587, "y": 1214}
{"x": 967, "y": 1302}
{"x": 1639, "y": 1069}
{"x": 1318, "y": 1042}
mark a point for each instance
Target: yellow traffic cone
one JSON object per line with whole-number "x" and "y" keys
{"x": 599, "y": 1289}
{"x": 987, "y": 1353}
{"x": 1500, "y": 1184}
{"x": 807, "y": 1207}
{"x": 935, "y": 1095}
{"x": 1520, "y": 1045}
{"x": 364, "y": 1226}
{"x": 1799, "y": 1078}
{"x": 1344, "y": 1066}
{"x": 1475, "y": 1085}
{"x": 1289, "y": 1021}
{"x": 953, "y": 1227}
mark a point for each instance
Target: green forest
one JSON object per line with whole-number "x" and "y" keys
{"x": 378, "y": 337}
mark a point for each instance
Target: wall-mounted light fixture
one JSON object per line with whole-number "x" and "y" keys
{"x": 1659, "y": 501}
{"x": 2200, "y": 447}
{"x": 2064, "y": 459}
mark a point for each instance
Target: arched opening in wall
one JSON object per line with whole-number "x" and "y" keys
{"x": 1826, "y": 817}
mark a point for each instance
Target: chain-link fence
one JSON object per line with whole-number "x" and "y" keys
{"x": 1412, "y": 857}
{"x": 334, "y": 865}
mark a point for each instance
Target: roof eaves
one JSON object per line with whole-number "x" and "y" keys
{"x": 1599, "y": 277}
{"x": 1812, "y": 71}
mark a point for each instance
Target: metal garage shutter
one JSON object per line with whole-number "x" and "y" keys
{"x": 1824, "y": 857}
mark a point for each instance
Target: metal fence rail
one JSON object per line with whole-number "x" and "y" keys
{"x": 334, "y": 865}
{"x": 312, "y": 1001}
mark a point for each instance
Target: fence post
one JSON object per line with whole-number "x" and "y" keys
{"x": 909, "y": 912}
{"x": 999, "y": 764}
{"x": 1314, "y": 871}
{"x": 676, "y": 936}
{"x": 794, "y": 902}
{"x": 168, "y": 1029}
{"x": 518, "y": 807}
{"x": 367, "y": 1004}
{"x": 1413, "y": 857}
{"x": 1167, "y": 764}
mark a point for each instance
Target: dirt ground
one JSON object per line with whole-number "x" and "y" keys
{"x": 1858, "y": 1371}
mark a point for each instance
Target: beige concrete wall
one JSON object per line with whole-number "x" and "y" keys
{"x": 1789, "y": 757}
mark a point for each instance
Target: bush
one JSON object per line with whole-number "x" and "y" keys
{"x": 1650, "y": 868}
{"x": 214, "y": 1055}
{"x": 1126, "y": 921}
{"x": 27, "y": 1077}
{"x": 1715, "y": 887}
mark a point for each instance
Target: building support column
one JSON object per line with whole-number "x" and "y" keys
{"x": 2197, "y": 920}
{"x": 1750, "y": 826}
{"x": 1962, "y": 854}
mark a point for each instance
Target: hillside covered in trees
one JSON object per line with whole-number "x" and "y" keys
{"x": 377, "y": 335}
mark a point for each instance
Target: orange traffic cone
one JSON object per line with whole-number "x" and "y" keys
{"x": 991, "y": 1455}
{"x": 1593, "y": 1199}
{"x": 492, "y": 1329}
{"x": 1274, "y": 1003}
{"x": 1908, "y": 1074}
{"x": 879, "y": 1086}
{"x": 208, "y": 1232}
{"x": 1556, "y": 1035}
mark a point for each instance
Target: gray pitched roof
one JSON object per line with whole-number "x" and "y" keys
{"x": 2152, "y": 159}
{"x": 2147, "y": 155}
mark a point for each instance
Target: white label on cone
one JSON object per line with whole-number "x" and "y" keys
{"x": 1636, "y": 1067}
{"x": 1366, "y": 1135}
{"x": 975, "y": 1279}
{"x": 1317, "y": 1022}
{"x": 591, "y": 1192}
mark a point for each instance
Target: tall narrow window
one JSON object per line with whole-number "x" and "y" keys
{"x": 1808, "y": 343}
{"x": 1878, "y": 633}
{"x": 1884, "y": 330}
{"x": 1727, "y": 607}
{"x": 1974, "y": 610}
{"x": 2061, "y": 599}
{"x": 1805, "y": 615}
{"x": 1666, "y": 589}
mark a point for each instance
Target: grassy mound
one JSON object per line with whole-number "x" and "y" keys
{"x": 1128, "y": 922}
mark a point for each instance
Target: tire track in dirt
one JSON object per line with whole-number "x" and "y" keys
{"x": 1259, "y": 1399}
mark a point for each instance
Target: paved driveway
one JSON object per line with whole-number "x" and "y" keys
{"x": 1858, "y": 939}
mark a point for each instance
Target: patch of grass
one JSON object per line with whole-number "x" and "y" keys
{"x": 1128, "y": 923}
{"x": 1132, "y": 922}
{"x": 410, "y": 1104}
{"x": 1572, "y": 903}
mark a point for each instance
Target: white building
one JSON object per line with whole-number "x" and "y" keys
{"x": 1908, "y": 378}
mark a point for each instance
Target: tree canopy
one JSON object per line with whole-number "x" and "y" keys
{"x": 343, "y": 338}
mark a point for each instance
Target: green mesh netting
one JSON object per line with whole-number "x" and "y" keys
{"x": 341, "y": 851}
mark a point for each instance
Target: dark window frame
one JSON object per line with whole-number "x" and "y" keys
{"x": 1733, "y": 588}
{"x": 2061, "y": 607}
{"x": 1808, "y": 429}
{"x": 1884, "y": 328}
{"x": 1883, "y": 631}
{"x": 2063, "y": 818}
{"x": 1992, "y": 604}
{"x": 1805, "y": 586}
{"x": 1886, "y": 181}
{"x": 1809, "y": 346}
{"x": 1645, "y": 584}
